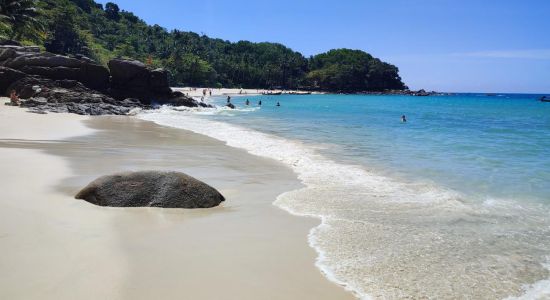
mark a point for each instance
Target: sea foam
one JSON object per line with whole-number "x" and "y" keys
{"x": 385, "y": 238}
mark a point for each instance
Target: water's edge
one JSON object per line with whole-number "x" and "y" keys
{"x": 304, "y": 167}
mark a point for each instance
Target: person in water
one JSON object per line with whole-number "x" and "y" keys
{"x": 403, "y": 119}
{"x": 260, "y": 103}
{"x": 247, "y": 102}
{"x": 278, "y": 104}
{"x": 228, "y": 99}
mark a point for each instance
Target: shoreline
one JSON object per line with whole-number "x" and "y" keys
{"x": 144, "y": 253}
{"x": 197, "y": 92}
{"x": 342, "y": 231}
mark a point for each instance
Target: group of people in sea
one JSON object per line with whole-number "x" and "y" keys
{"x": 247, "y": 102}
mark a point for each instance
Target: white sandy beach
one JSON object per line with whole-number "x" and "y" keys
{"x": 197, "y": 92}
{"x": 56, "y": 247}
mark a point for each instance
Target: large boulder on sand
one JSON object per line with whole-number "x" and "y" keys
{"x": 128, "y": 72}
{"x": 150, "y": 189}
{"x": 133, "y": 79}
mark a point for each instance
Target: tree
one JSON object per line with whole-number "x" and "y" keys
{"x": 65, "y": 39}
{"x": 352, "y": 71}
{"x": 85, "y": 5}
{"x": 83, "y": 26}
{"x": 20, "y": 16}
{"x": 112, "y": 11}
{"x": 189, "y": 69}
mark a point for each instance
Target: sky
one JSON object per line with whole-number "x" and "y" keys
{"x": 443, "y": 45}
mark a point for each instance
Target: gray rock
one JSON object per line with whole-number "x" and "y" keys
{"x": 8, "y": 77}
{"x": 151, "y": 189}
{"x": 6, "y": 42}
{"x": 43, "y": 60}
{"x": 30, "y": 61}
{"x": 159, "y": 81}
{"x": 6, "y": 53}
{"x": 128, "y": 72}
{"x": 45, "y": 95}
{"x": 78, "y": 85}
{"x": 133, "y": 79}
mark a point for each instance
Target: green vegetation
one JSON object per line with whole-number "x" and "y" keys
{"x": 19, "y": 19}
{"x": 352, "y": 70}
{"x": 86, "y": 27}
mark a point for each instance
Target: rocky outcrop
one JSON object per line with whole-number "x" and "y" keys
{"x": 403, "y": 92}
{"x": 42, "y": 95}
{"x": 151, "y": 189}
{"x": 8, "y": 77}
{"x": 43, "y": 79}
{"x": 33, "y": 62}
{"x": 133, "y": 79}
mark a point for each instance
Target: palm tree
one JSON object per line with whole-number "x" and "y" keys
{"x": 19, "y": 15}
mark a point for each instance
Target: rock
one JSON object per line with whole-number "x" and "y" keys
{"x": 43, "y": 60}
{"x": 78, "y": 85}
{"x": 183, "y": 101}
{"x": 421, "y": 93}
{"x": 159, "y": 81}
{"x": 55, "y": 73}
{"x": 45, "y": 95}
{"x": 230, "y": 105}
{"x": 30, "y": 61}
{"x": 7, "y": 77}
{"x": 9, "y": 43}
{"x": 94, "y": 76}
{"x": 133, "y": 79}
{"x": 7, "y": 53}
{"x": 150, "y": 189}
{"x": 123, "y": 70}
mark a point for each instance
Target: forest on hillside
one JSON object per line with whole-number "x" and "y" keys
{"x": 84, "y": 27}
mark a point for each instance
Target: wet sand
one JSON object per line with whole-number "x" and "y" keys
{"x": 56, "y": 247}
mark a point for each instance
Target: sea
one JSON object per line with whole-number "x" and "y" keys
{"x": 452, "y": 204}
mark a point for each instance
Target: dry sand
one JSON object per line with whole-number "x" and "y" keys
{"x": 56, "y": 247}
{"x": 197, "y": 92}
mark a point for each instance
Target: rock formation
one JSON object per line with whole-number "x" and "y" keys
{"x": 151, "y": 188}
{"x": 57, "y": 83}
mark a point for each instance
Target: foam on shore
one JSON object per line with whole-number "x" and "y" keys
{"x": 387, "y": 238}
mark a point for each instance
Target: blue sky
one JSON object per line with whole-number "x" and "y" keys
{"x": 443, "y": 45}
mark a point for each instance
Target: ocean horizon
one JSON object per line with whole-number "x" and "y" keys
{"x": 450, "y": 203}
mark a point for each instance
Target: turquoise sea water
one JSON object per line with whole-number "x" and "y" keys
{"x": 455, "y": 203}
{"x": 484, "y": 146}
